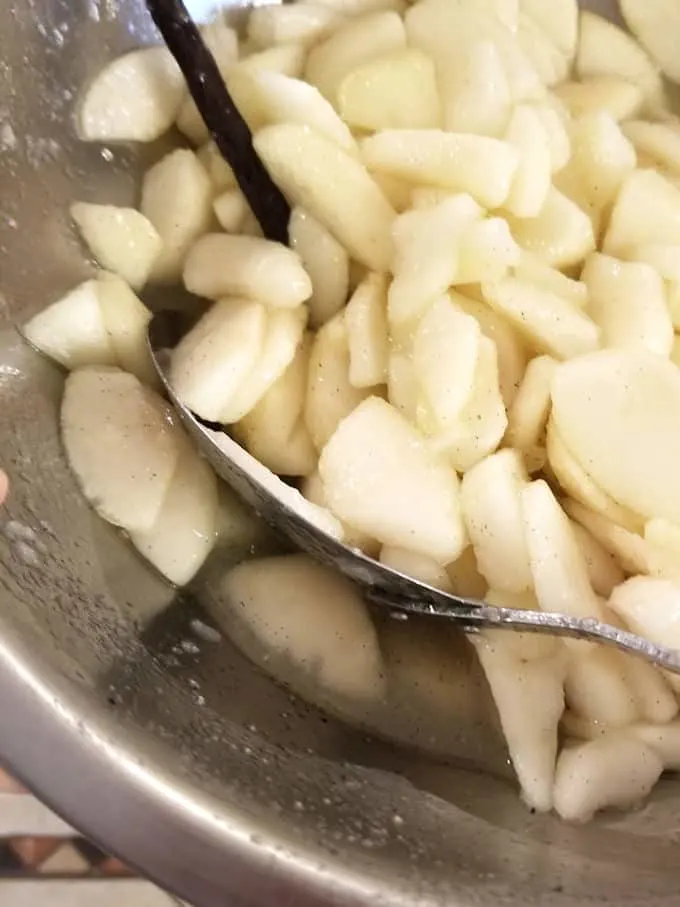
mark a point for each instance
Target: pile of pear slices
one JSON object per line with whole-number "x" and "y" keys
{"x": 467, "y": 353}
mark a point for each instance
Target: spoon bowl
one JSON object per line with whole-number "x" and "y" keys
{"x": 315, "y": 531}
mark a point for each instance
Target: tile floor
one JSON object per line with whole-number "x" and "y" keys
{"x": 45, "y": 863}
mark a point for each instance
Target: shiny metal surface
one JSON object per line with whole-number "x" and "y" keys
{"x": 382, "y": 585}
{"x": 187, "y": 760}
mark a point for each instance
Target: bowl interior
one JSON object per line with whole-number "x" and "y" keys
{"x": 169, "y": 745}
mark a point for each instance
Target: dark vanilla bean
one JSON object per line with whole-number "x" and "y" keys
{"x": 227, "y": 127}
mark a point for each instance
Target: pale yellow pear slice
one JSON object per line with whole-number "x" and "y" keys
{"x": 614, "y": 771}
{"x": 362, "y": 39}
{"x": 316, "y": 174}
{"x": 297, "y": 610}
{"x": 656, "y": 24}
{"x": 120, "y": 443}
{"x": 395, "y": 91}
{"x": 493, "y": 516}
{"x": 133, "y": 99}
{"x": 618, "y": 408}
{"x": 481, "y": 166}
{"x": 121, "y": 239}
{"x": 604, "y": 49}
{"x": 380, "y": 477}
{"x": 326, "y": 262}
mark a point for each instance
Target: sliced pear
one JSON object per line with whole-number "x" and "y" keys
{"x": 659, "y": 141}
{"x": 304, "y": 23}
{"x": 532, "y": 270}
{"x": 493, "y": 516}
{"x": 628, "y": 302}
{"x": 239, "y": 530}
{"x": 482, "y": 166}
{"x": 313, "y": 618}
{"x": 614, "y": 770}
{"x": 177, "y": 198}
{"x": 426, "y": 257}
{"x": 134, "y": 99}
{"x": 367, "y": 332}
{"x": 512, "y": 353}
{"x": 480, "y": 427}
{"x": 220, "y": 173}
{"x": 274, "y": 431}
{"x": 486, "y": 251}
{"x": 312, "y": 488}
{"x": 395, "y": 91}
{"x": 559, "y": 21}
{"x": 547, "y": 320}
{"x": 445, "y": 354}
{"x": 651, "y": 607}
{"x": 664, "y": 739}
{"x": 596, "y": 687}
{"x": 664, "y": 258}
{"x": 560, "y": 235}
{"x": 283, "y": 334}
{"x": 213, "y": 360}
{"x": 653, "y": 692}
{"x": 417, "y": 566}
{"x": 360, "y": 40}
{"x": 603, "y": 569}
{"x": 556, "y": 120}
{"x": 326, "y": 262}
{"x": 121, "y": 445}
{"x": 663, "y": 543}
{"x": 602, "y": 159}
{"x": 629, "y": 548}
{"x": 72, "y": 329}
{"x": 191, "y": 124}
{"x": 267, "y": 98}
{"x": 532, "y": 180}
{"x": 617, "y": 408}
{"x": 559, "y": 571}
{"x": 126, "y": 319}
{"x": 121, "y": 239}
{"x": 466, "y": 580}
{"x": 398, "y": 193}
{"x": 577, "y": 483}
{"x": 601, "y": 94}
{"x": 285, "y": 59}
{"x": 222, "y": 42}
{"x": 230, "y": 210}
{"x": 604, "y": 49}
{"x": 478, "y": 98}
{"x": 352, "y": 8}
{"x": 446, "y": 30}
{"x": 529, "y": 413}
{"x": 379, "y": 477}
{"x": 531, "y": 734}
{"x": 330, "y": 394}
{"x": 656, "y": 23}
{"x": 316, "y": 174}
{"x": 647, "y": 210}
{"x": 544, "y": 54}
{"x": 403, "y": 390}
{"x": 246, "y": 266}
{"x": 185, "y": 530}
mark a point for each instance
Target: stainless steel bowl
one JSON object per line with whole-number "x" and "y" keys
{"x": 177, "y": 753}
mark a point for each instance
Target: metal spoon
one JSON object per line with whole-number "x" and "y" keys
{"x": 284, "y": 508}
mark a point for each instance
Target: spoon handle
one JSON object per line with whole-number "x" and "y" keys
{"x": 473, "y": 617}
